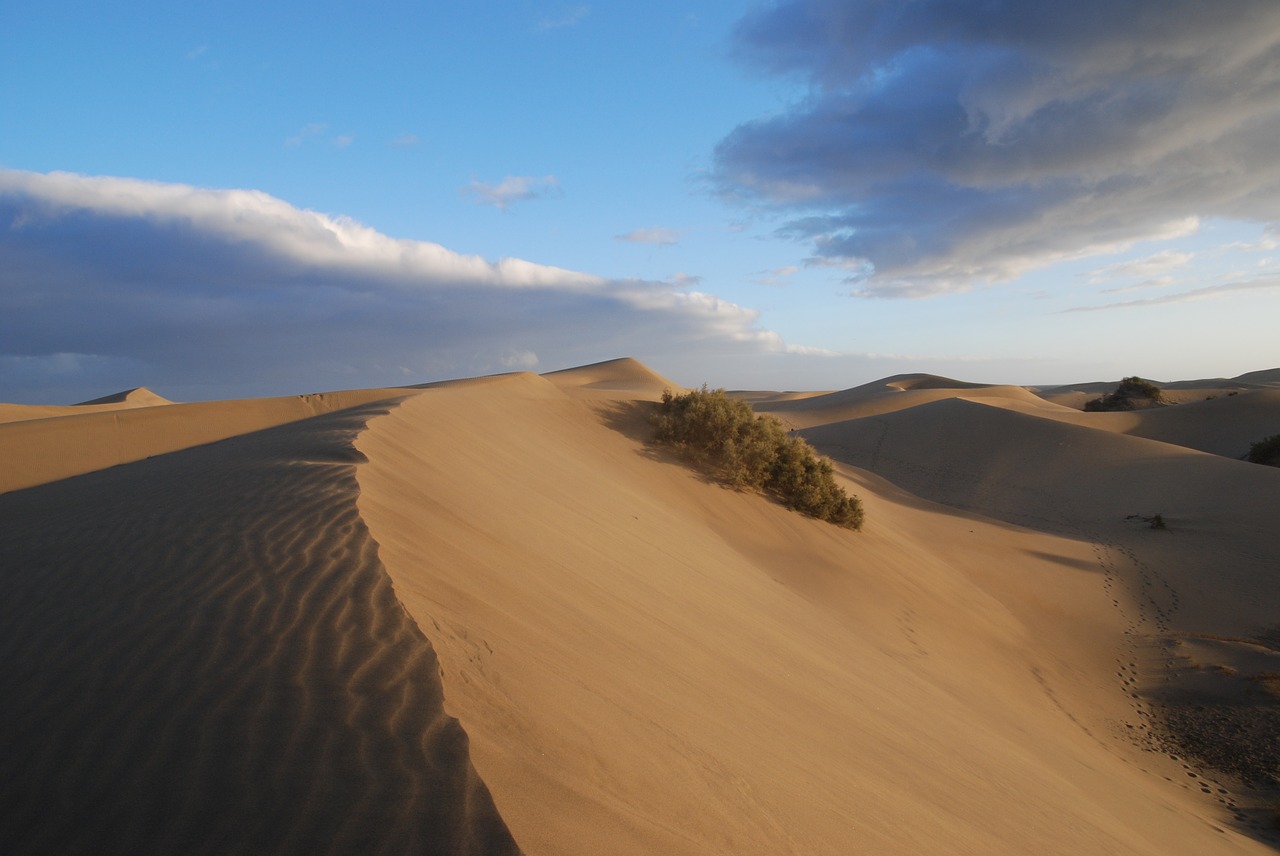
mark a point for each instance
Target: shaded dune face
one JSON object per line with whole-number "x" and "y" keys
{"x": 202, "y": 653}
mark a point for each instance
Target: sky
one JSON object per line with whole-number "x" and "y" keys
{"x": 238, "y": 199}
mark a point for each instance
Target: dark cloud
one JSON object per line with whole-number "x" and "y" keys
{"x": 111, "y": 283}
{"x": 945, "y": 142}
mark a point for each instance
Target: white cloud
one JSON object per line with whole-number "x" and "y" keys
{"x": 342, "y": 141}
{"x": 778, "y": 276}
{"x": 520, "y": 360}
{"x": 405, "y": 141}
{"x": 210, "y": 293}
{"x": 659, "y": 236}
{"x": 570, "y": 17}
{"x": 1155, "y": 282}
{"x": 949, "y": 143}
{"x": 1153, "y": 265}
{"x": 311, "y": 129}
{"x": 512, "y": 189}
{"x": 1206, "y": 293}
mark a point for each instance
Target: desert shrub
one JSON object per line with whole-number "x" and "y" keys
{"x": 1266, "y": 451}
{"x": 753, "y": 452}
{"x": 1133, "y": 393}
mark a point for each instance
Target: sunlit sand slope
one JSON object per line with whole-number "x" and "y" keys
{"x": 129, "y": 399}
{"x": 610, "y": 378}
{"x": 1069, "y": 479}
{"x": 892, "y": 394}
{"x": 201, "y": 653}
{"x": 1224, "y": 425}
{"x": 83, "y": 438}
{"x": 648, "y": 663}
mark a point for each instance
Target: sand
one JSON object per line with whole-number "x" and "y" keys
{"x": 485, "y": 615}
{"x": 201, "y": 653}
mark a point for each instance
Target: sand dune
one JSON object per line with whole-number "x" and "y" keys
{"x": 606, "y": 379}
{"x": 1225, "y": 425}
{"x": 648, "y": 663}
{"x": 139, "y": 396}
{"x": 1224, "y": 422}
{"x": 1074, "y": 480}
{"x": 891, "y": 394}
{"x": 40, "y": 450}
{"x": 1176, "y": 392}
{"x": 1265, "y": 377}
{"x": 125, "y": 400}
{"x": 201, "y": 653}
{"x": 485, "y": 614}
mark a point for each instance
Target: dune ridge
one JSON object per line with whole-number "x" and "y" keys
{"x": 625, "y": 374}
{"x": 485, "y": 616}
{"x": 139, "y": 396}
{"x": 70, "y": 443}
{"x": 899, "y": 392}
{"x": 125, "y": 400}
{"x": 646, "y": 662}
{"x": 202, "y": 653}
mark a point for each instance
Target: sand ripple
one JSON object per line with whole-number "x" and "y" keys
{"x": 201, "y": 653}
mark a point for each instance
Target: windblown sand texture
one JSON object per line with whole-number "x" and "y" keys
{"x": 201, "y": 653}
{"x": 501, "y": 619}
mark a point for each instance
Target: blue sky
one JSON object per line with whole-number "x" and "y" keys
{"x": 802, "y": 194}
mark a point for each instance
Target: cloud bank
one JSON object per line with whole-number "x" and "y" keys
{"x": 948, "y": 142}
{"x": 109, "y": 283}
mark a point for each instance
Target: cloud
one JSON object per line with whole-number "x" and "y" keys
{"x": 512, "y": 189}
{"x": 405, "y": 141}
{"x": 1156, "y": 282}
{"x": 342, "y": 141}
{"x": 1205, "y": 293}
{"x": 569, "y": 17}
{"x": 945, "y": 143}
{"x": 1151, "y": 266}
{"x": 109, "y": 283}
{"x": 659, "y": 236}
{"x": 311, "y": 129}
{"x": 778, "y": 277}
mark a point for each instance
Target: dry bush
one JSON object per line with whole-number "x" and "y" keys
{"x": 747, "y": 451}
{"x": 1133, "y": 393}
{"x": 1265, "y": 451}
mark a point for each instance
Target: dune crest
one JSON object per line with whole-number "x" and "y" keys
{"x": 892, "y": 394}
{"x": 126, "y": 400}
{"x": 486, "y": 616}
{"x": 136, "y": 397}
{"x": 214, "y": 661}
{"x": 43, "y": 450}
{"x": 648, "y": 663}
{"x": 613, "y": 376}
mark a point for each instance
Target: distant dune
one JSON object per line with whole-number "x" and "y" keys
{"x": 128, "y": 399}
{"x": 485, "y": 616}
{"x": 136, "y": 397}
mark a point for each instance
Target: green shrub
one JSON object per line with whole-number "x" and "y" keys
{"x": 753, "y": 452}
{"x": 1266, "y": 451}
{"x": 1133, "y": 393}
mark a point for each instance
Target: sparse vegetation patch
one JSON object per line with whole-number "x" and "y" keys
{"x": 1266, "y": 451}
{"x": 753, "y": 452}
{"x": 1133, "y": 393}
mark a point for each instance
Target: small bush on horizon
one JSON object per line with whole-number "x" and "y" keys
{"x": 1265, "y": 451}
{"x": 1133, "y": 393}
{"x": 753, "y": 452}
